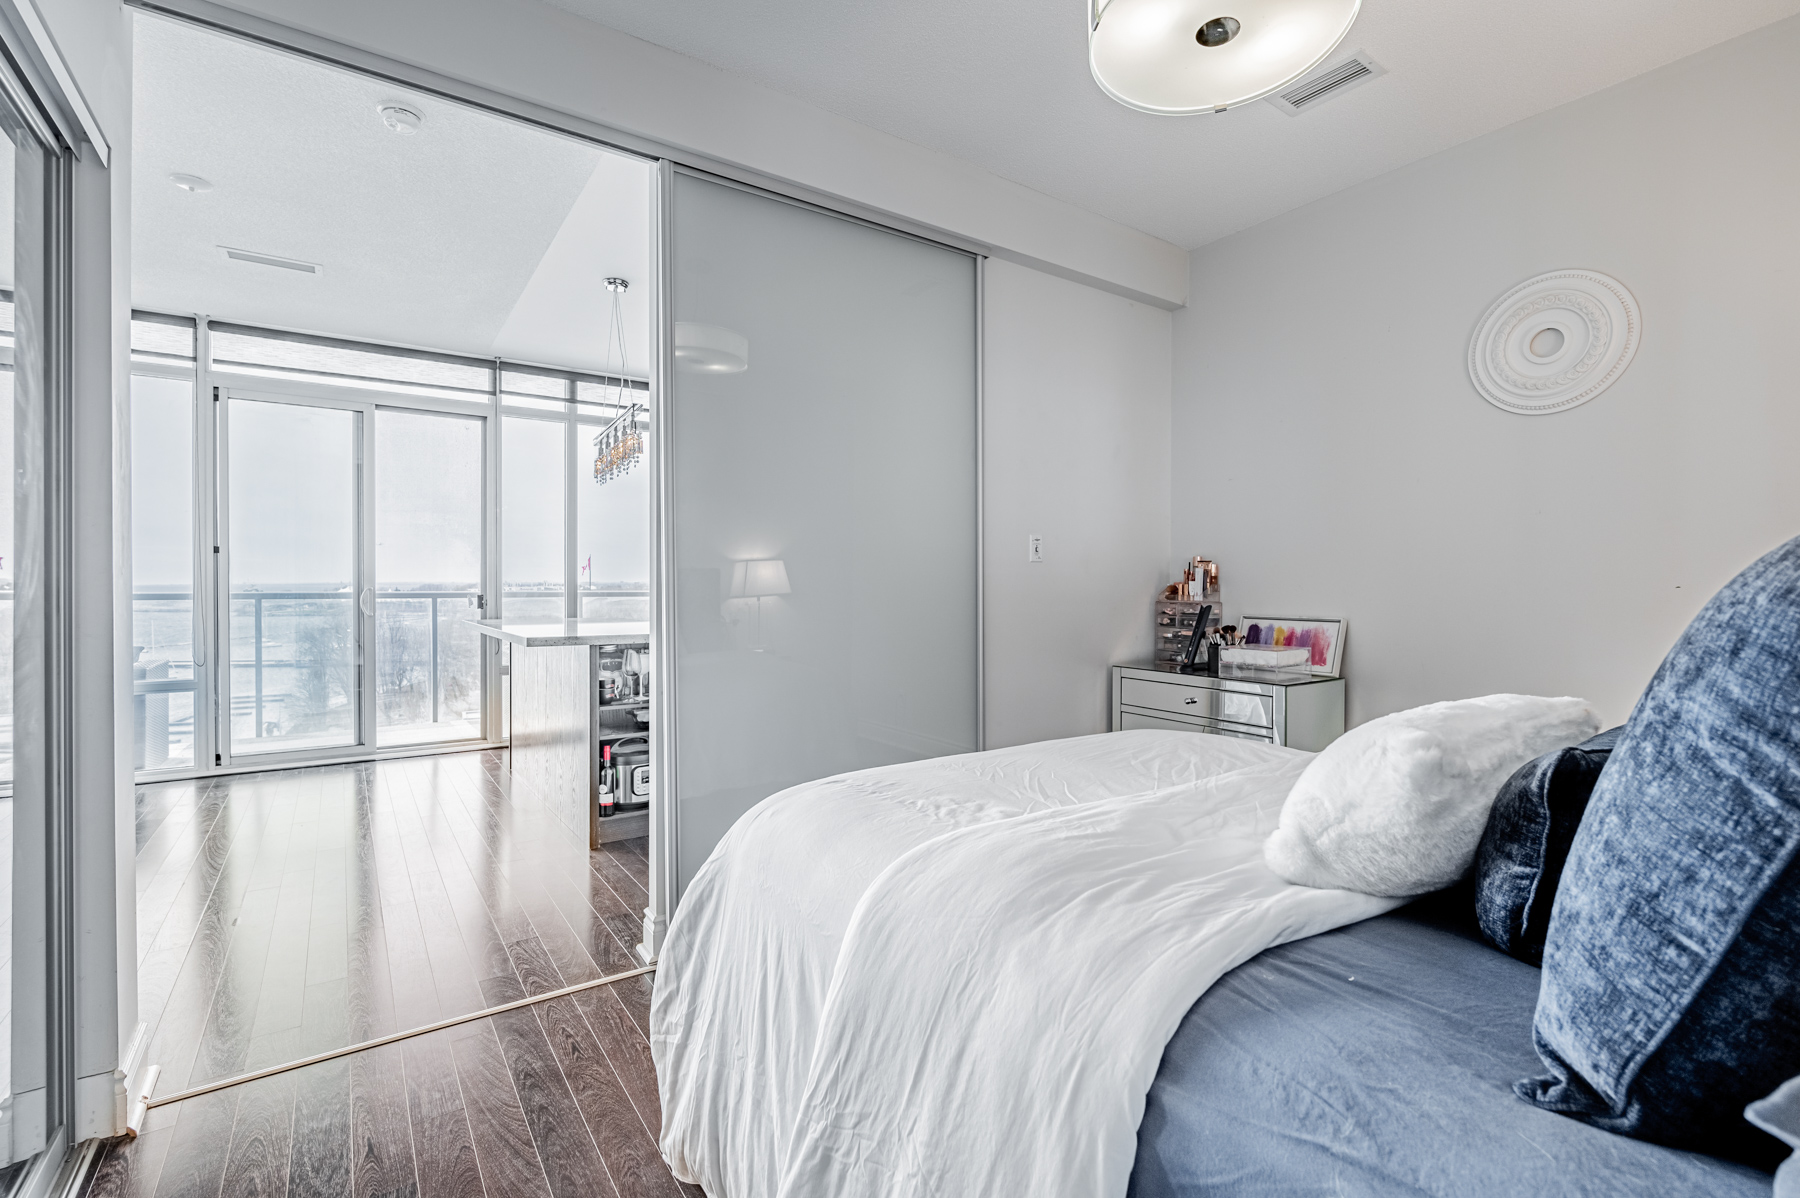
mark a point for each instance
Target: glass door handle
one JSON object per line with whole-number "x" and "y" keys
{"x": 367, "y": 602}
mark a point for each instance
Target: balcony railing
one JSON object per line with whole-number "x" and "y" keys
{"x": 330, "y": 617}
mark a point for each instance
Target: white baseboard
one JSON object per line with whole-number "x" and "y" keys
{"x": 108, "y": 1105}
{"x": 655, "y": 929}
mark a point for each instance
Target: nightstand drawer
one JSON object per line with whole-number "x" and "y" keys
{"x": 1236, "y": 706}
{"x": 1136, "y": 719}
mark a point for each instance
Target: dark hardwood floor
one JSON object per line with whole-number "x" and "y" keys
{"x": 286, "y": 913}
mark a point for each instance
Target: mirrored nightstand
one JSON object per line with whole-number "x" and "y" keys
{"x": 1280, "y": 707}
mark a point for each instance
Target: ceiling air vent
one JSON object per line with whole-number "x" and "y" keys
{"x": 1326, "y": 82}
{"x": 309, "y": 268}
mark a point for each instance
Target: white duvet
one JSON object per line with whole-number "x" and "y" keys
{"x": 957, "y": 977}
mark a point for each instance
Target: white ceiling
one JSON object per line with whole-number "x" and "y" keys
{"x": 476, "y": 234}
{"x": 1005, "y": 84}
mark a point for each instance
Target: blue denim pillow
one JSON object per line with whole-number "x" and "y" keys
{"x": 1779, "y": 1115}
{"x": 1671, "y": 989}
{"x": 1527, "y": 841}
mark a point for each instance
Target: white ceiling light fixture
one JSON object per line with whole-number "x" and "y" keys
{"x": 1181, "y": 57}
{"x": 401, "y": 118}
{"x": 191, "y": 182}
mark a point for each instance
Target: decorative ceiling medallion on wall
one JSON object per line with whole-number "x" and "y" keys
{"x": 1554, "y": 342}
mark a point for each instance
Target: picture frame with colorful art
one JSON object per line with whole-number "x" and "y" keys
{"x": 1324, "y": 637}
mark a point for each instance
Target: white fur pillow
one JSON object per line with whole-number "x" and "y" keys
{"x": 1397, "y": 806}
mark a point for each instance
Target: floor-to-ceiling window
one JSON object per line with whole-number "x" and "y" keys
{"x": 613, "y": 564}
{"x": 534, "y": 555}
{"x": 317, "y": 522}
{"x": 428, "y": 538}
{"x": 165, "y": 711}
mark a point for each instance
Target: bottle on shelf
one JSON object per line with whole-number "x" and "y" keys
{"x": 608, "y": 779}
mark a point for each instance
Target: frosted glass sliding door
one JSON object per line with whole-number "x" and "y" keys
{"x": 821, "y": 491}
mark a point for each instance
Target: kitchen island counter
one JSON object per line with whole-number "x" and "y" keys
{"x": 559, "y": 720}
{"x": 543, "y": 634}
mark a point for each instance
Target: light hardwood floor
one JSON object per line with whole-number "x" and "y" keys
{"x": 286, "y": 913}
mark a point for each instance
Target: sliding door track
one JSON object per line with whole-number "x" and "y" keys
{"x": 349, "y": 1049}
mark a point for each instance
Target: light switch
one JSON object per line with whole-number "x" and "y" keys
{"x": 1034, "y": 548}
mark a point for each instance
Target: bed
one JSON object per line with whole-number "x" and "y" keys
{"x": 985, "y": 974}
{"x": 1376, "y": 1060}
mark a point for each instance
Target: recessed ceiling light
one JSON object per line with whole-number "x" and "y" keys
{"x": 401, "y": 119}
{"x": 191, "y": 182}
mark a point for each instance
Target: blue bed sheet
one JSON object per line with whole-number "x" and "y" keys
{"x": 1379, "y": 1060}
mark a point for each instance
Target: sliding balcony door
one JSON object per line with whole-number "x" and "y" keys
{"x": 818, "y": 483}
{"x": 351, "y": 567}
{"x": 297, "y": 603}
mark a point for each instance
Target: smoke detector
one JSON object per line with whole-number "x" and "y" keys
{"x": 191, "y": 182}
{"x": 401, "y": 119}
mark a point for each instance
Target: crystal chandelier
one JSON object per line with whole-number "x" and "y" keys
{"x": 620, "y": 445}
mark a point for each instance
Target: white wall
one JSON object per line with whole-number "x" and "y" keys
{"x": 1331, "y": 453}
{"x": 1076, "y": 423}
{"x": 534, "y": 52}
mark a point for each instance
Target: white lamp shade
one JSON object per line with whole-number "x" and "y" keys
{"x": 755, "y": 579}
{"x": 710, "y": 349}
{"x": 1146, "y": 54}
